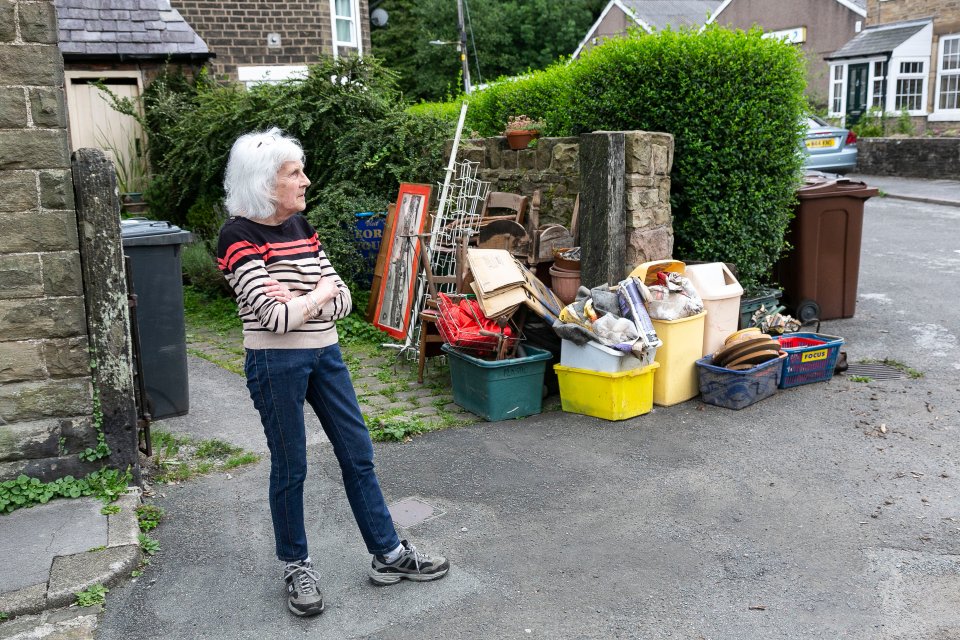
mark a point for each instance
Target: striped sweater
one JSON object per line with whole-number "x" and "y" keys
{"x": 250, "y": 253}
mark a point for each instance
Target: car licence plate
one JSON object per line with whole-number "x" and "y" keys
{"x": 821, "y": 143}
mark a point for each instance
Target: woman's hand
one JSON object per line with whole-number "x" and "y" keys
{"x": 326, "y": 290}
{"x": 278, "y": 291}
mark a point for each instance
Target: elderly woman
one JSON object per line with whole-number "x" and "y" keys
{"x": 289, "y": 296}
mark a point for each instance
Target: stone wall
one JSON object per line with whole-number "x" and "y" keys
{"x": 638, "y": 164}
{"x": 931, "y": 158}
{"x": 553, "y": 167}
{"x": 45, "y": 382}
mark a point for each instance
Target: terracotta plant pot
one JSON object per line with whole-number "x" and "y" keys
{"x": 521, "y": 139}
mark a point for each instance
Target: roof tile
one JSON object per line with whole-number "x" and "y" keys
{"x": 125, "y": 27}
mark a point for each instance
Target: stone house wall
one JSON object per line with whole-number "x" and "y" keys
{"x": 946, "y": 21}
{"x": 46, "y": 397}
{"x": 236, "y": 31}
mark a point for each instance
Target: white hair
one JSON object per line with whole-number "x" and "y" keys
{"x": 251, "y": 177}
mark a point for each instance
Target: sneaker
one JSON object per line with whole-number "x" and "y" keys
{"x": 411, "y": 565}
{"x": 303, "y": 593}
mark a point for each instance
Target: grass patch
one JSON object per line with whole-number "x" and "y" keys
{"x": 860, "y": 379}
{"x": 213, "y": 313}
{"x": 179, "y": 458}
{"x": 240, "y": 460}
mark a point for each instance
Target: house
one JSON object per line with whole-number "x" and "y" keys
{"x": 650, "y": 15}
{"x": 269, "y": 40}
{"x": 123, "y": 47}
{"x": 818, "y": 27}
{"x": 907, "y": 58}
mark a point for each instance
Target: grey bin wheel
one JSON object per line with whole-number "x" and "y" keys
{"x": 807, "y": 311}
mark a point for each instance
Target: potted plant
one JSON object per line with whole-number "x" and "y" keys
{"x": 521, "y": 130}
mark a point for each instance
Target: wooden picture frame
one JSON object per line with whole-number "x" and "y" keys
{"x": 401, "y": 260}
{"x": 378, "y": 268}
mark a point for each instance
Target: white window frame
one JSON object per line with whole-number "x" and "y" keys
{"x": 357, "y": 42}
{"x": 873, "y": 78}
{"x": 252, "y": 76}
{"x": 894, "y": 76}
{"x": 842, "y": 83}
{"x": 938, "y": 113}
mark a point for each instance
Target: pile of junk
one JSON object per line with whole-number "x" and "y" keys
{"x": 665, "y": 334}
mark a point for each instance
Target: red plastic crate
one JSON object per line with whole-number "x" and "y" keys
{"x": 811, "y": 357}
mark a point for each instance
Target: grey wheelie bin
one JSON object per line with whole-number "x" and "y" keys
{"x": 153, "y": 249}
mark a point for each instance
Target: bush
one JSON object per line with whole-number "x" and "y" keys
{"x": 359, "y": 142}
{"x": 871, "y": 125}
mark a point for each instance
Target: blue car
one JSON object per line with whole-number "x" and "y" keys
{"x": 829, "y": 148}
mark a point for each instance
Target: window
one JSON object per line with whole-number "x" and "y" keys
{"x": 910, "y": 83}
{"x": 344, "y": 23}
{"x": 878, "y": 91}
{"x": 836, "y": 90}
{"x": 948, "y": 75}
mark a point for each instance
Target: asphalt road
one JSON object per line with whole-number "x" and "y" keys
{"x": 828, "y": 511}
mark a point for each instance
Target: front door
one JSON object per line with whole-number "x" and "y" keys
{"x": 857, "y": 76}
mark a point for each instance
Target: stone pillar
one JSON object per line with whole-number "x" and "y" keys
{"x": 46, "y": 396}
{"x": 625, "y": 215}
{"x": 108, "y": 314}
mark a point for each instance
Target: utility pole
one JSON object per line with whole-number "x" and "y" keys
{"x": 463, "y": 49}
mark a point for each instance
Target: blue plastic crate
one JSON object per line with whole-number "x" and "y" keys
{"x": 811, "y": 357}
{"x": 738, "y": 389}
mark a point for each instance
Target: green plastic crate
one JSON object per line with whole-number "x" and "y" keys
{"x": 498, "y": 389}
{"x": 748, "y": 306}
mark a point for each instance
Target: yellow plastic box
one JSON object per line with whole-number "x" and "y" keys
{"x": 677, "y": 379}
{"x": 611, "y": 396}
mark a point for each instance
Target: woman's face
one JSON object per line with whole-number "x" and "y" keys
{"x": 291, "y": 188}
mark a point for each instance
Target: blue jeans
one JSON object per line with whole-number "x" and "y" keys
{"x": 279, "y": 381}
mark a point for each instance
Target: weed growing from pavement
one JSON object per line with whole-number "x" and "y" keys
{"x": 94, "y": 595}
{"x": 110, "y": 509}
{"x": 148, "y": 544}
{"x": 95, "y": 549}
{"x": 149, "y": 516}
{"x": 4, "y": 616}
{"x": 395, "y": 426}
{"x": 24, "y": 491}
{"x": 178, "y": 458}
{"x": 860, "y": 379}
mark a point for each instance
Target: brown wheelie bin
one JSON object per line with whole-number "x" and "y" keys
{"x": 819, "y": 276}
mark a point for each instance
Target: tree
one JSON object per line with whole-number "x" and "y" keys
{"x": 505, "y": 37}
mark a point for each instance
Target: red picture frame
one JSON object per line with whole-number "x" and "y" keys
{"x": 401, "y": 263}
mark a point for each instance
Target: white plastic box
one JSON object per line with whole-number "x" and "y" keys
{"x": 720, "y": 292}
{"x": 597, "y": 357}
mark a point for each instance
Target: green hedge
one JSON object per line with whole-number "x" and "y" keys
{"x": 542, "y": 94}
{"x": 734, "y": 103}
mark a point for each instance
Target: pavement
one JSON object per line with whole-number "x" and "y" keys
{"x": 828, "y": 511}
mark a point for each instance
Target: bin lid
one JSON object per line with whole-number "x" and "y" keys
{"x": 818, "y": 185}
{"x": 141, "y": 232}
{"x": 714, "y": 281}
